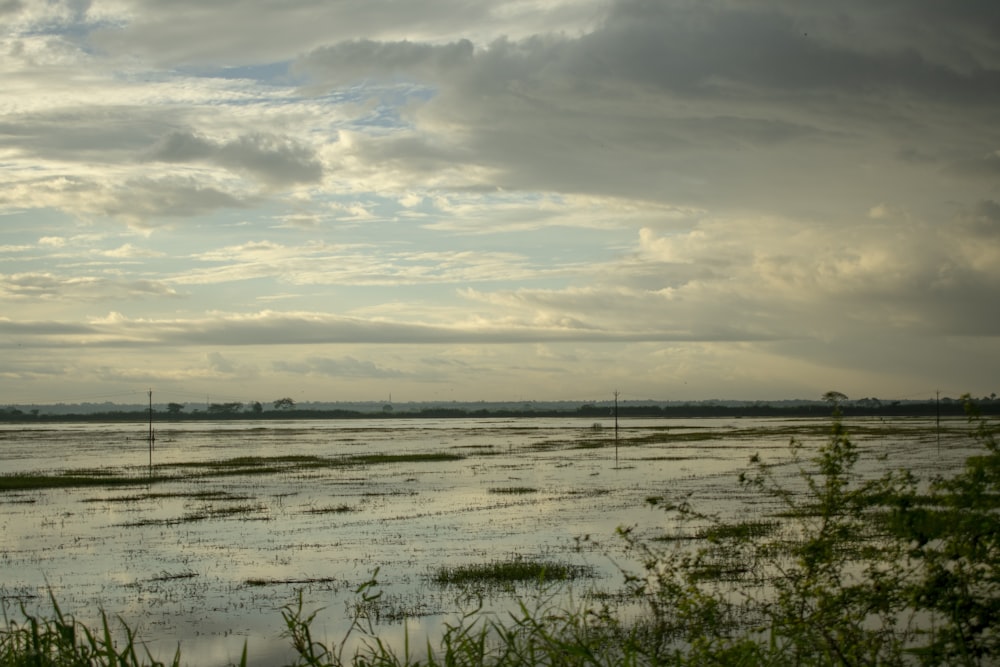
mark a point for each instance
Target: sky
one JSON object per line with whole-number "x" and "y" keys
{"x": 498, "y": 199}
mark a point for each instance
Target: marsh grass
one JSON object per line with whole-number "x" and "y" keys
{"x": 61, "y": 640}
{"x": 237, "y": 466}
{"x": 190, "y": 495}
{"x": 433, "y": 457}
{"x": 336, "y": 509}
{"x": 168, "y": 576}
{"x": 243, "y": 512}
{"x": 259, "y": 582}
{"x": 508, "y": 572}
{"x": 32, "y": 482}
{"x": 513, "y": 490}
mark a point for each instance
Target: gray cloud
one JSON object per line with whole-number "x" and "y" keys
{"x": 267, "y": 31}
{"x": 102, "y": 134}
{"x": 349, "y": 61}
{"x": 275, "y": 160}
{"x": 318, "y": 329}
{"x": 9, "y": 7}
{"x": 143, "y": 201}
{"x": 690, "y": 103}
{"x": 698, "y": 47}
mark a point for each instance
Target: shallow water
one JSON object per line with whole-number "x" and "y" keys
{"x": 209, "y": 561}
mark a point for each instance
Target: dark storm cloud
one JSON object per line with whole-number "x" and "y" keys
{"x": 696, "y": 47}
{"x": 696, "y": 103}
{"x": 685, "y": 47}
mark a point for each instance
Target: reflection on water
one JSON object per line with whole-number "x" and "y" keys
{"x": 209, "y": 560}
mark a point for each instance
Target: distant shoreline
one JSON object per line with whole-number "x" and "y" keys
{"x": 944, "y": 408}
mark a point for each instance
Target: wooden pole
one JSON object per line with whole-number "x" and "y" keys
{"x": 616, "y": 427}
{"x": 937, "y": 403}
{"x": 151, "y": 432}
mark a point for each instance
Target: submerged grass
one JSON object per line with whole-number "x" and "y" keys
{"x": 259, "y": 582}
{"x": 240, "y": 465}
{"x": 335, "y": 509}
{"x": 31, "y": 482}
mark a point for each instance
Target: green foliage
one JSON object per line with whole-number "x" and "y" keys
{"x": 507, "y": 572}
{"x": 61, "y": 641}
{"x": 954, "y": 531}
{"x": 860, "y": 572}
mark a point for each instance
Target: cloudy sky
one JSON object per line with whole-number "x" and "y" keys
{"x": 498, "y": 199}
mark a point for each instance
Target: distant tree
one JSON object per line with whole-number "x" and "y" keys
{"x": 175, "y": 408}
{"x": 834, "y": 398}
{"x": 284, "y": 404}
{"x": 256, "y": 407}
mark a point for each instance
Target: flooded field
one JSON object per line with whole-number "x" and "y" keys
{"x": 232, "y": 519}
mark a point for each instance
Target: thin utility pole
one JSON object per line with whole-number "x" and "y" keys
{"x": 151, "y": 432}
{"x": 616, "y": 427}
{"x": 937, "y": 404}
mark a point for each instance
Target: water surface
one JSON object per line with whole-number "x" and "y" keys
{"x": 209, "y": 560}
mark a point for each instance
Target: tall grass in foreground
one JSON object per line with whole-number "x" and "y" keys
{"x": 61, "y": 641}
{"x": 849, "y": 571}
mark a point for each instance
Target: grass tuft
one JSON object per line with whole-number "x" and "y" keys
{"x": 516, "y": 570}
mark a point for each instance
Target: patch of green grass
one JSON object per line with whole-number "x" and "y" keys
{"x": 308, "y": 581}
{"x": 336, "y": 509}
{"x": 516, "y": 570}
{"x": 61, "y": 640}
{"x": 26, "y": 482}
{"x": 592, "y": 444}
{"x": 240, "y": 465}
{"x": 243, "y": 511}
{"x": 744, "y": 530}
{"x": 514, "y": 490}
{"x": 192, "y": 495}
{"x": 382, "y": 608}
{"x": 404, "y": 458}
{"x": 168, "y": 576}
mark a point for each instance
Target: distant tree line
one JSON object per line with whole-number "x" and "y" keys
{"x": 286, "y": 408}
